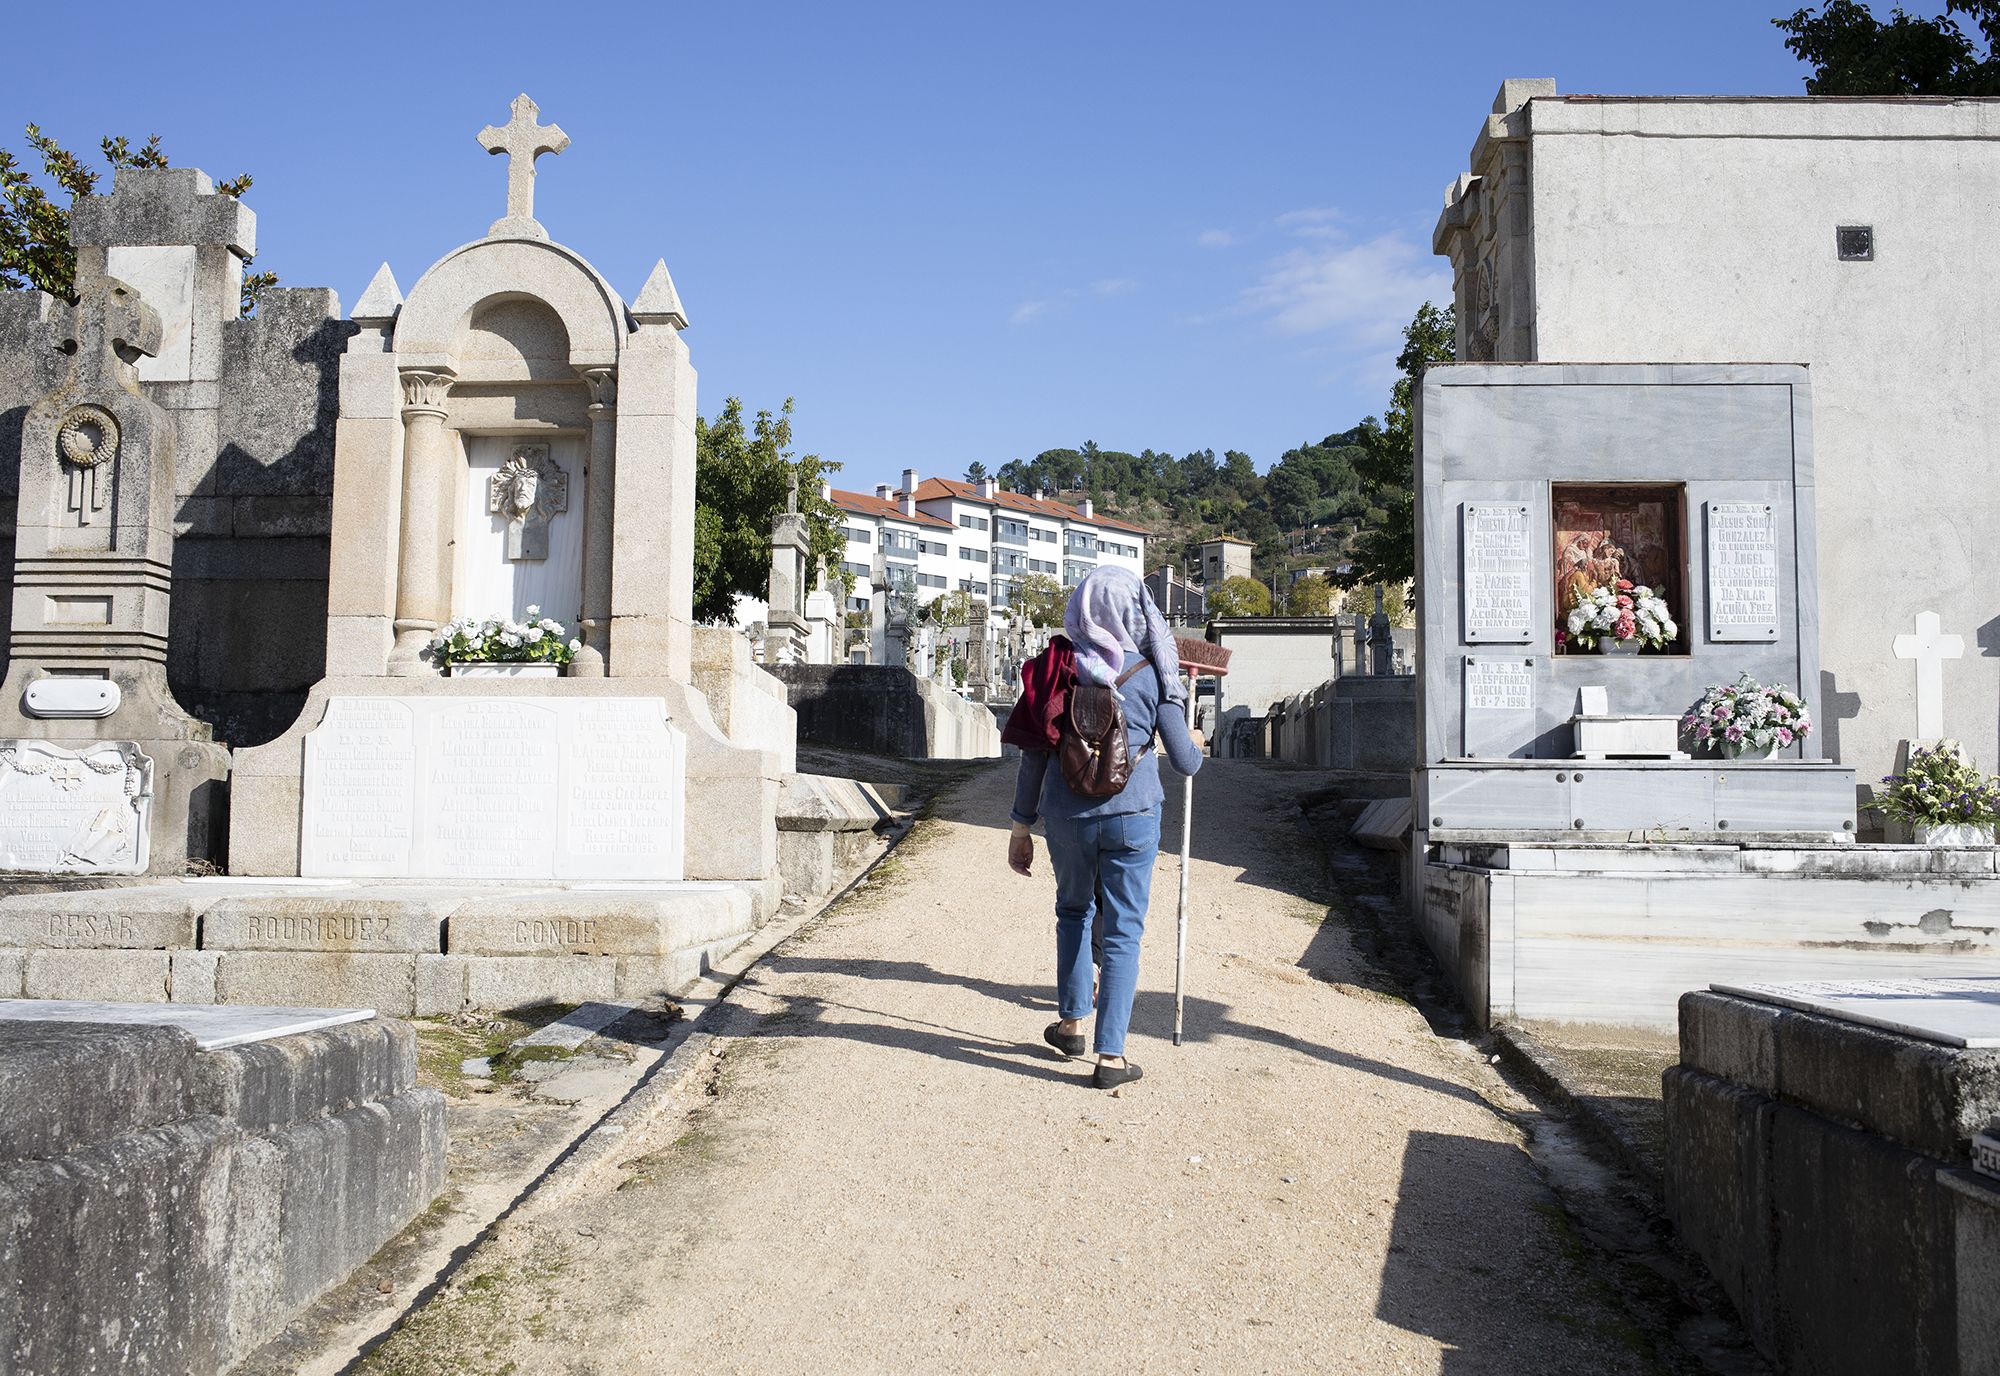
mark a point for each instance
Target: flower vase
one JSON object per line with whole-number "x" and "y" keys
{"x": 1953, "y": 834}
{"x": 1607, "y": 645}
{"x": 485, "y": 669}
{"x": 1749, "y": 754}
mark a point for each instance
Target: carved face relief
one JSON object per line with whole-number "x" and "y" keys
{"x": 530, "y": 489}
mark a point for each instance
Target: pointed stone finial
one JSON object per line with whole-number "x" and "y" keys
{"x": 658, "y": 303}
{"x": 380, "y": 302}
{"x": 523, "y": 140}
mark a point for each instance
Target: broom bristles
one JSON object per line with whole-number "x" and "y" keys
{"x": 1201, "y": 656}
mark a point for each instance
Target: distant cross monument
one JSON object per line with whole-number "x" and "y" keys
{"x": 523, "y": 140}
{"x": 1930, "y": 648}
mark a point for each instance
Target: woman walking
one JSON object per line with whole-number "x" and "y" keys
{"x": 1102, "y": 848}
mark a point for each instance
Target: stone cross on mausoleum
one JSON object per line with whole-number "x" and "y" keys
{"x": 523, "y": 140}
{"x": 1930, "y": 648}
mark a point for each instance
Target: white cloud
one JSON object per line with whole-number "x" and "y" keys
{"x": 1361, "y": 294}
{"x": 1114, "y": 286}
{"x": 1313, "y": 222}
{"x": 1216, "y": 238}
{"x": 1029, "y": 311}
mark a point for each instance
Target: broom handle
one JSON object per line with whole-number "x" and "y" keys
{"x": 1187, "y": 846}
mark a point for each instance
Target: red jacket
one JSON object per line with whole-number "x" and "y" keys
{"x": 1045, "y": 683}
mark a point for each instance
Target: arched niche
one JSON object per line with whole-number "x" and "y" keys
{"x": 497, "y": 275}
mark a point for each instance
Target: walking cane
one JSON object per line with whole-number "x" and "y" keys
{"x": 1197, "y": 657}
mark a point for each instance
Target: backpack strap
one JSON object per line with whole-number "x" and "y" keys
{"x": 1143, "y": 663}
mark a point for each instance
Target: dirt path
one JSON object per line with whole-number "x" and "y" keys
{"x": 888, "y": 1172}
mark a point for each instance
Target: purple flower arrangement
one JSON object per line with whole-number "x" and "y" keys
{"x": 1940, "y": 787}
{"x": 1748, "y": 718}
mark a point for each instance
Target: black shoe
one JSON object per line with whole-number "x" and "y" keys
{"x": 1112, "y": 1076}
{"x": 1070, "y": 1044}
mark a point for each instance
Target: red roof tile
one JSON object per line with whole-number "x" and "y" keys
{"x": 933, "y": 488}
{"x": 868, "y": 504}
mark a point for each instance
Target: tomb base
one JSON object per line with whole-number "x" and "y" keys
{"x": 400, "y": 947}
{"x": 1820, "y": 1168}
{"x": 1567, "y": 931}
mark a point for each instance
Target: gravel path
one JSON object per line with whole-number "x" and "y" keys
{"x": 888, "y": 1172}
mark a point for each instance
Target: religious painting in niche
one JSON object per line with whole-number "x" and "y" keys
{"x": 1605, "y": 533}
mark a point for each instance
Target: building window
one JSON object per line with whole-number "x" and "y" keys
{"x": 932, "y": 547}
{"x": 1035, "y": 533}
{"x": 857, "y": 604}
{"x": 1016, "y": 531}
{"x": 860, "y": 536}
{"x": 977, "y": 556}
{"x": 860, "y": 571}
{"x": 1855, "y": 243}
{"x": 899, "y": 541}
{"x": 1041, "y": 566}
{"x": 973, "y": 522}
{"x": 932, "y": 580}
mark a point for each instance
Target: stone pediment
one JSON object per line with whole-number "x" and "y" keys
{"x": 467, "y": 283}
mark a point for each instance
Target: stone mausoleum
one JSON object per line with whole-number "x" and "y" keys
{"x": 234, "y": 540}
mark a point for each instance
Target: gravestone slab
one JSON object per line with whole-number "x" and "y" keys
{"x": 1954, "y": 1012}
{"x": 1743, "y": 582}
{"x": 452, "y": 787}
{"x": 74, "y": 811}
{"x": 1499, "y": 706}
{"x": 212, "y": 1026}
{"x": 1498, "y": 573}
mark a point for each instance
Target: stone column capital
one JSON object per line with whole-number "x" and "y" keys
{"x": 603, "y": 385}
{"x": 424, "y": 390}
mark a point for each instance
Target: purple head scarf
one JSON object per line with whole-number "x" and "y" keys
{"x": 1111, "y": 613}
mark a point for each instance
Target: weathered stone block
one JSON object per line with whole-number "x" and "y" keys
{"x": 307, "y": 1075}
{"x": 1734, "y": 1039}
{"x": 191, "y": 976}
{"x": 322, "y": 922}
{"x": 1718, "y": 1189}
{"x": 503, "y": 982}
{"x": 599, "y": 924}
{"x": 1864, "y": 1254}
{"x": 385, "y": 983}
{"x": 440, "y": 985}
{"x": 806, "y": 861}
{"x": 1975, "y": 1204}
{"x": 120, "y": 1080}
{"x": 107, "y": 976}
{"x": 1924, "y": 1095}
{"x": 12, "y": 964}
{"x": 139, "y": 918}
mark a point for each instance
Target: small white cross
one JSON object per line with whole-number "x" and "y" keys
{"x": 522, "y": 140}
{"x": 1930, "y": 648}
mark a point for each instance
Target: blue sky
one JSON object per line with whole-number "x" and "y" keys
{"x": 952, "y": 232}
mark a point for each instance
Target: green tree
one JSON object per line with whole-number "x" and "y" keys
{"x": 1038, "y": 600}
{"x": 955, "y": 608}
{"x": 975, "y": 471}
{"x": 1852, "y": 53}
{"x": 741, "y": 477}
{"x": 1395, "y": 602}
{"x": 1239, "y": 596}
{"x": 1386, "y": 549}
{"x": 1310, "y": 596}
{"x": 35, "y": 250}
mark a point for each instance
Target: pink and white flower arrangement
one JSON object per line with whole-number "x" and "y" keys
{"x": 1622, "y": 612}
{"x": 1747, "y": 718}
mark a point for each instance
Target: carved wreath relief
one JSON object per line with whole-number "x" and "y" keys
{"x": 529, "y": 490}
{"x": 86, "y": 441}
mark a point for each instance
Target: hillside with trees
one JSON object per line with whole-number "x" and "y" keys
{"x": 1341, "y": 503}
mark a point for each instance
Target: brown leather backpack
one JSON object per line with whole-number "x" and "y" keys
{"x": 1096, "y": 761}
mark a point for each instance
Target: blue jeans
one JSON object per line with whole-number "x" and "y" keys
{"x": 1104, "y": 877}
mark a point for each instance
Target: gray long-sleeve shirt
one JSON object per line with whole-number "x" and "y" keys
{"x": 1040, "y": 791}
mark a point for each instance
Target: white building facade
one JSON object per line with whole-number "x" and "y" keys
{"x": 1856, "y": 236}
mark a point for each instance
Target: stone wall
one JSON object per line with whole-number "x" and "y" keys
{"x": 1349, "y": 723}
{"x": 887, "y": 711}
{"x": 1819, "y": 1168}
{"x": 170, "y": 1209}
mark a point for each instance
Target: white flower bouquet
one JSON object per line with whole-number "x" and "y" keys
{"x": 1748, "y": 718}
{"x": 491, "y": 640}
{"x": 1621, "y": 614}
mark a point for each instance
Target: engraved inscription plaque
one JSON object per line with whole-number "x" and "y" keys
{"x": 1497, "y": 574}
{"x": 74, "y": 811}
{"x": 1742, "y": 571}
{"x": 1499, "y": 716}
{"x": 494, "y": 788}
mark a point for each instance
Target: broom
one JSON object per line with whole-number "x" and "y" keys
{"x": 1197, "y": 657}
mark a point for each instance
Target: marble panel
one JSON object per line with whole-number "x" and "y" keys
{"x": 463, "y": 787}
{"x": 211, "y": 1026}
{"x": 74, "y": 811}
{"x": 1955, "y": 1012}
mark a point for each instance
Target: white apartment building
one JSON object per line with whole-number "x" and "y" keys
{"x": 939, "y": 535}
